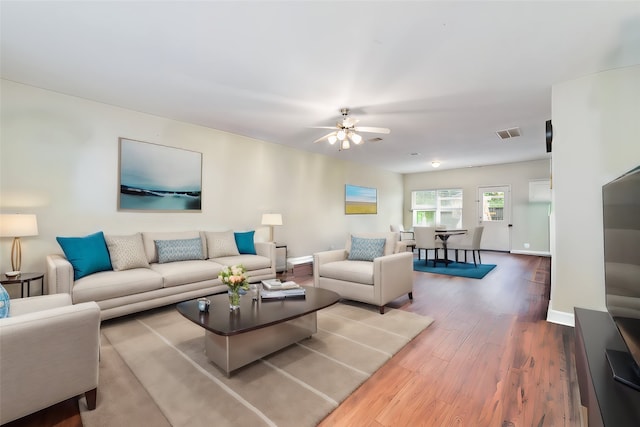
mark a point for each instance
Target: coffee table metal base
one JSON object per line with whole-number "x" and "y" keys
{"x": 235, "y": 351}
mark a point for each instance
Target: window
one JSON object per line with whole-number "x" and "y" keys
{"x": 437, "y": 208}
{"x": 493, "y": 206}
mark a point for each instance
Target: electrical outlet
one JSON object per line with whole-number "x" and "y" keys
{"x": 526, "y": 246}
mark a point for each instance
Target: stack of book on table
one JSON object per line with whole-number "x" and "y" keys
{"x": 275, "y": 289}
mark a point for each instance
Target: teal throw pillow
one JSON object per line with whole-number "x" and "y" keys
{"x": 87, "y": 254}
{"x": 244, "y": 241}
{"x": 179, "y": 250}
{"x": 4, "y": 303}
{"x": 366, "y": 249}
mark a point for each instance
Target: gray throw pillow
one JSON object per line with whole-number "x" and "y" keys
{"x": 126, "y": 252}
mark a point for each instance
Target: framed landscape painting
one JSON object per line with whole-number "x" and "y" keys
{"x": 159, "y": 178}
{"x": 360, "y": 200}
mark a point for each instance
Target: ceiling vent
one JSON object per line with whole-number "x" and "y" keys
{"x": 508, "y": 133}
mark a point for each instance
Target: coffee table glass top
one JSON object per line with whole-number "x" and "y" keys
{"x": 254, "y": 314}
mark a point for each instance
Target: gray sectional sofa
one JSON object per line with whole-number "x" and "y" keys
{"x": 143, "y": 275}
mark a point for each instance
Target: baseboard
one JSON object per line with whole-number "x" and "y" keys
{"x": 535, "y": 253}
{"x": 300, "y": 260}
{"x": 560, "y": 317}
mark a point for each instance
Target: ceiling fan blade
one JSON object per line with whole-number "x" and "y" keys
{"x": 372, "y": 129}
{"x": 324, "y": 137}
{"x": 322, "y": 127}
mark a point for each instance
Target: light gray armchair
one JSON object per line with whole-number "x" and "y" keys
{"x": 49, "y": 352}
{"x": 378, "y": 282}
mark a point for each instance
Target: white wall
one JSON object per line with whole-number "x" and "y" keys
{"x": 530, "y": 220}
{"x": 59, "y": 160}
{"x": 596, "y": 127}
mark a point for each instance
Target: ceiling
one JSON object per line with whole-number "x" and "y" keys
{"x": 443, "y": 76}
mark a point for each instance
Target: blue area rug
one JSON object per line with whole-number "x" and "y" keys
{"x": 454, "y": 269}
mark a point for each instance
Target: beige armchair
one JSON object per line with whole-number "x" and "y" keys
{"x": 49, "y": 353}
{"x": 378, "y": 282}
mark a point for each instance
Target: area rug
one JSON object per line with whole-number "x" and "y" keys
{"x": 454, "y": 269}
{"x": 153, "y": 370}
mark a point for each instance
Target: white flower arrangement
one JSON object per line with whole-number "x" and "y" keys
{"x": 234, "y": 277}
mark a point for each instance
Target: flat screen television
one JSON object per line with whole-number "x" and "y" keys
{"x": 621, "y": 220}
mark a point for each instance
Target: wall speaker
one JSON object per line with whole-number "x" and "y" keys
{"x": 549, "y": 135}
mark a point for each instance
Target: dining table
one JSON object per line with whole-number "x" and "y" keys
{"x": 444, "y": 234}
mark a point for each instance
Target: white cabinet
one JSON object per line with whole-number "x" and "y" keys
{"x": 540, "y": 191}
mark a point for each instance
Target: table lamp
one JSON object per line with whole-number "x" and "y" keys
{"x": 271, "y": 219}
{"x": 16, "y": 226}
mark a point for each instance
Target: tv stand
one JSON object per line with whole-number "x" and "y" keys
{"x": 608, "y": 402}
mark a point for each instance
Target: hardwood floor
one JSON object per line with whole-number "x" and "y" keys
{"x": 489, "y": 359}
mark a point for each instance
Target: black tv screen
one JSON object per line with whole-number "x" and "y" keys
{"x": 621, "y": 220}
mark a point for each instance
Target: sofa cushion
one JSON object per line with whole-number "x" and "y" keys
{"x": 366, "y": 249}
{"x": 113, "y": 284}
{"x": 87, "y": 254}
{"x": 179, "y": 250}
{"x": 244, "y": 241}
{"x": 250, "y": 262}
{"x": 221, "y": 244}
{"x": 126, "y": 252}
{"x": 390, "y": 246}
{"x": 184, "y": 272}
{"x": 149, "y": 238}
{"x": 349, "y": 271}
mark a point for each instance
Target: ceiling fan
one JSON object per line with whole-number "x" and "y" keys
{"x": 346, "y": 130}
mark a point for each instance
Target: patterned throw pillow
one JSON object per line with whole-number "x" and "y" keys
{"x": 221, "y": 244}
{"x": 126, "y": 252}
{"x": 4, "y": 302}
{"x": 179, "y": 250}
{"x": 366, "y": 249}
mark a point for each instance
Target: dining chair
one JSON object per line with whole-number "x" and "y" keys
{"x": 405, "y": 236}
{"x": 470, "y": 242}
{"x": 426, "y": 240}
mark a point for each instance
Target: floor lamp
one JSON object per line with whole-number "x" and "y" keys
{"x": 16, "y": 226}
{"x": 271, "y": 220}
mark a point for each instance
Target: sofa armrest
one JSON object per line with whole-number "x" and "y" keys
{"x": 20, "y": 306}
{"x": 266, "y": 249}
{"x": 325, "y": 257}
{"x": 393, "y": 274}
{"x": 47, "y": 356}
{"x": 59, "y": 274}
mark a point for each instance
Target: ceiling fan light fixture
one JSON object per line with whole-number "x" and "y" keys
{"x": 357, "y": 139}
{"x": 341, "y": 134}
{"x": 435, "y": 164}
{"x": 332, "y": 139}
{"x": 344, "y": 145}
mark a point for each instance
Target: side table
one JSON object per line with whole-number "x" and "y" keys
{"x": 286, "y": 254}
{"x": 22, "y": 279}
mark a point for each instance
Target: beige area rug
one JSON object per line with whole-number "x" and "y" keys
{"x": 153, "y": 371}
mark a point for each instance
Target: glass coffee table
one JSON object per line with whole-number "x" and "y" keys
{"x": 234, "y": 339}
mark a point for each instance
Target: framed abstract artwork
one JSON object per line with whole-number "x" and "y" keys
{"x": 158, "y": 178}
{"x": 360, "y": 200}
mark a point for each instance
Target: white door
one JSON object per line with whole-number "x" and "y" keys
{"x": 494, "y": 213}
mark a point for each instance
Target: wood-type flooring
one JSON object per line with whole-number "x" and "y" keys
{"x": 489, "y": 359}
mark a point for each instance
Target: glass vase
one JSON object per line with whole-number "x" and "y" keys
{"x": 234, "y": 299}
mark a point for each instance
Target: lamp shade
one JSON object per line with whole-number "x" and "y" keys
{"x": 18, "y": 225}
{"x": 272, "y": 219}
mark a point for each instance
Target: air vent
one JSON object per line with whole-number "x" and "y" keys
{"x": 508, "y": 133}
